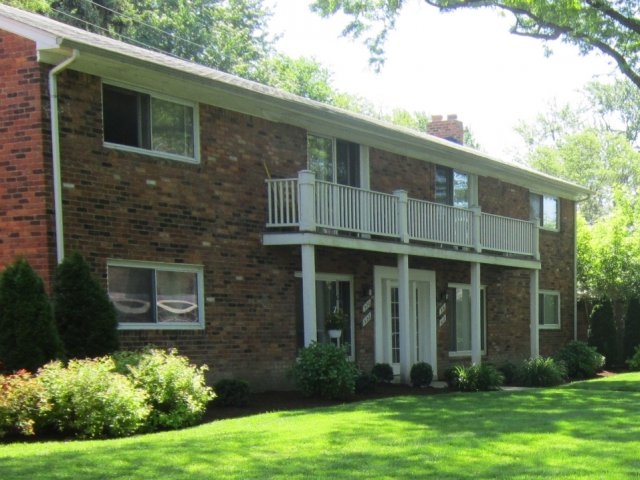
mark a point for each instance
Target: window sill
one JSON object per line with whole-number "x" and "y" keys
{"x": 152, "y": 153}
{"x": 160, "y": 326}
{"x": 549, "y": 327}
{"x": 465, "y": 353}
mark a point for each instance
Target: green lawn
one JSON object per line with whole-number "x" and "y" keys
{"x": 584, "y": 430}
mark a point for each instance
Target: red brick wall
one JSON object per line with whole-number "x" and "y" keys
{"x": 132, "y": 206}
{"x": 26, "y": 221}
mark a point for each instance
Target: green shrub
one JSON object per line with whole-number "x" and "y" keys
{"x": 421, "y": 374}
{"x": 383, "y": 372}
{"x": 509, "y": 371}
{"x": 540, "y": 372}
{"x": 632, "y": 328}
{"x": 580, "y": 360}
{"x": 480, "y": 377}
{"x": 90, "y": 399}
{"x": 231, "y": 392}
{"x": 365, "y": 382}
{"x": 634, "y": 361}
{"x": 21, "y": 397}
{"x": 177, "y": 390}
{"x": 451, "y": 376}
{"x": 85, "y": 317}
{"x": 324, "y": 370}
{"x": 28, "y": 336}
{"x": 603, "y": 332}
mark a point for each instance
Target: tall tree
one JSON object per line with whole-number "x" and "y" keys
{"x": 609, "y": 26}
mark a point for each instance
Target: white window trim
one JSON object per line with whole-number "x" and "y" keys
{"x": 173, "y": 267}
{"x": 550, "y": 326}
{"x": 467, "y": 353}
{"x": 541, "y": 220}
{"x": 154, "y": 153}
{"x": 341, "y": 277}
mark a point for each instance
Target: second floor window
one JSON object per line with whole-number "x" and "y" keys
{"x": 452, "y": 187}
{"x": 143, "y": 121}
{"x": 333, "y": 160}
{"x": 545, "y": 208}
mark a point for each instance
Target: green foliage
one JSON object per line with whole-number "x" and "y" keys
{"x": 20, "y": 401}
{"x": 421, "y": 374}
{"x": 383, "y": 372}
{"x": 509, "y": 371}
{"x": 634, "y": 361}
{"x": 324, "y": 370}
{"x": 540, "y": 372}
{"x": 602, "y": 332}
{"x": 28, "y": 337}
{"x": 86, "y": 319}
{"x": 90, "y": 399}
{"x": 177, "y": 390}
{"x": 580, "y": 360}
{"x": 632, "y": 327}
{"x": 612, "y": 28}
{"x": 479, "y": 377}
{"x": 451, "y": 376}
{"x": 231, "y": 392}
{"x": 365, "y": 382}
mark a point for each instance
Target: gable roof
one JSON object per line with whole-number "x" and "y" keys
{"x": 115, "y": 60}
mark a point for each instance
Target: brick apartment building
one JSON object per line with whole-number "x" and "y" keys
{"x": 228, "y": 219}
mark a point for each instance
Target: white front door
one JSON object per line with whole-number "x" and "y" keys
{"x": 421, "y": 310}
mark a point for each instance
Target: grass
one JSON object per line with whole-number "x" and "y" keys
{"x": 582, "y": 430}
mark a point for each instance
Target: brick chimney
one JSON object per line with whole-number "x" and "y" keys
{"x": 450, "y": 129}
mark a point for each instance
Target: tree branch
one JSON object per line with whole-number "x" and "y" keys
{"x": 632, "y": 24}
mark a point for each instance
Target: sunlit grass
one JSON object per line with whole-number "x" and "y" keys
{"x": 583, "y": 430}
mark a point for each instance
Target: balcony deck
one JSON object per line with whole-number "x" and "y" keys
{"x": 305, "y": 205}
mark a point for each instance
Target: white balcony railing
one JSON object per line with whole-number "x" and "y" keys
{"x": 311, "y": 205}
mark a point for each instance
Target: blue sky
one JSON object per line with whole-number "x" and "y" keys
{"x": 464, "y": 62}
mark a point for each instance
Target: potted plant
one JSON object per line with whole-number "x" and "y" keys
{"x": 334, "y": 322}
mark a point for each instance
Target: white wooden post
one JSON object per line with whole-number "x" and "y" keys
{"x": 403, "y": 215}
{"x": 476, "y": 327}
{"x": 536, "y": 238}
{"x": 404, "y": 310}
{"x": 308, "y": 254}
{"x": 307, "y": 200}
{"x": 477, "y": 240}
{"x": 534, "y": 309}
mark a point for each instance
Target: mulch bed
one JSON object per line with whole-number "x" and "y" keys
{"x": 275, "y": 401}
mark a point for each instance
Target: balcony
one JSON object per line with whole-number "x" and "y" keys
{"x": 305, "y": 204}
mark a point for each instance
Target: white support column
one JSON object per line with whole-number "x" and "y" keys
{"x": 309, "y": 293}
{"x": 476, "y": 327}
{"x": 476, "y": 228}
{"x": 403, "y": 215}
{"x": 534, "y": 310}
{"x": 404, "y": 298}
{"x": 307, "y": 200}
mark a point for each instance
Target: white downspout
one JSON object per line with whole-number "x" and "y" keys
{"x": 55, "y": 152}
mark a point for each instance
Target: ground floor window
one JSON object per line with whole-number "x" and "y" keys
{"x": 334, "y": 292}
{"x": 549, "y": 309}
{"x": 459, "y": 316}
{"x": 151, "y": 295}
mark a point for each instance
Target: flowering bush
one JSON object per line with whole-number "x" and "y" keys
{"x": 177, "y": 391}
{"x": 90, "y": 399}
{"x": 21, "y": 397}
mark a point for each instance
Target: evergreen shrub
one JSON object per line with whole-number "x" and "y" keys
{"x": 421, "y": 374}
{"x": 632, "y": 328}
{"x": 28, "y": 336}
{"x": 85, "y": 317}
{"x": 479, "y": 377}
{"x": 231, "y": 392}
{"x": 603, "y": 332}
{"x": 580, "y": 360}
{"x": 383, "y": 372}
